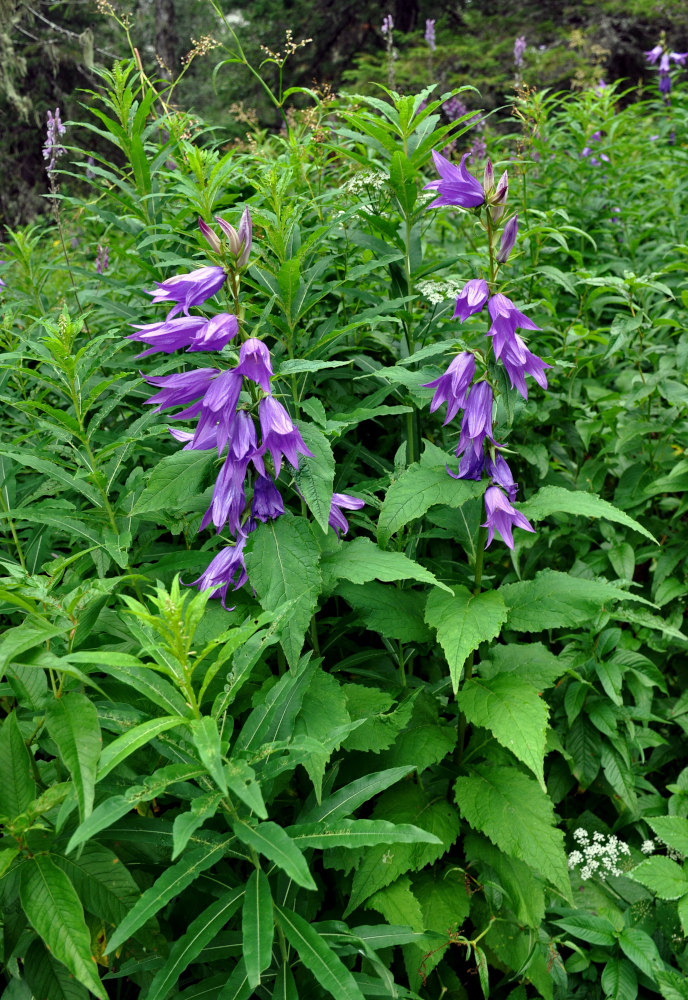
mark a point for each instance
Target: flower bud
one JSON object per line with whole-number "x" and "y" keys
{"x": 246, "y": 237}
{"x": 499, "y": 197}
{"x": 210, "y": 236}
{"x": 508, "y": 239}
{"x": 488, "y": 178}
{"x": 231, "y": 234}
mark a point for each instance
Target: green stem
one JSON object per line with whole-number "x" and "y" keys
{"x": 468, "y": 669}
{"x": 15, "y": 537}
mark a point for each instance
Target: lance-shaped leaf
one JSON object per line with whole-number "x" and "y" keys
{"x": 17, "y": 787}
{"x": 556, "y": 500}
{"x": 257, "y": 926}
{"x": 318, "y": 957}
{"x": 206, "y": 739}
{"x": 353, "y": 833}
{"x": 270, "y": 840}
{"x": 72, "y": 722}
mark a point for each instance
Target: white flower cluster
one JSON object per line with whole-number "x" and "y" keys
{"x": 650, "y": 846}
{"x": 438, "y": 291}
{"x": 364, "y": 181}
{"x": 647, "y": 847}
{"x": 599, "y": 856}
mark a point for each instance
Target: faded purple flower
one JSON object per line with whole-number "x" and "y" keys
{"x": 254, "y": 363}
{"x": 502, "y": 517}
{"x": 477, "y": 420}
{"x": 508, "y": 239}
{"x": 519, "y": 50}
{"x": 336, "y": 520}
{"x": 191, "y": 289}
{"x": 52, "y": 147}
{"x": 653, "y": 55}
{"x": 472, "y": 298}
{"x": 102, "y": 258}
{"x": 519, "y": 362}
{"x": 267, "y": 500}
{"x": 499, "y": 472}
{"x": 452, "y": 387}
{"x": 226, "y": 569}
{"x": 454, "y": 108}
{"x": 478, "y": 150}
{"x": 455, "y": 186}
{"x": 280, "y": 435}
{"x": 506, "y": 319}
{"x": 387, "y": 25}
{"x": 430, "y": 33}
{"x": 180, "y": 388}
{"x": 90, "y": 174}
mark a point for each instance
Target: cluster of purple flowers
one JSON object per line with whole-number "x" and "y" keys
{"x": 387, "y": 25}
{"x": 455, "y": 108}
{"x": 456, "y": 387}
{"x": 102, "y": 258}
{"x": 661, "y": 53}
{"x": 590, "y": 151}
{"x": 430, "y": 33}
{"x": 519, "y": 51}
{"x": 52, "y": 147}
{"x": 224, "y": 421}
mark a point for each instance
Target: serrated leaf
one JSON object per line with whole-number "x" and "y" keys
{"x": 52, "y": 907}
{"x": 672, "y": 830}
{"x": 362, "y": 560}
{"x": 17, "y": 786}
{"x": 175, "y": 481}
{"x": 416, "y": 490}
{"x": 355, "y": 833}
{"x": 282, "y": 561}
{"x": 512, "y": 711}
{"x": 257, "y": 926}
{"x": 530, "y": 661}
{"x": 315, "y": 476}
{"x": 274, "y": 843}
{"x": 662, "y": 875}
{"x": 556, "y": 500}
{"x": 382, "y": 722}
{"x": 398, "y": 905}
{"x": 513, "y": 811}
{"x": 318, "y": 957}
{"x": 463, "y": 622}
{"x": 393, "y": 613}
{"x": 72, "y": 722}
{"x": 672, "y": 984}
{"x": 524, "y": 889}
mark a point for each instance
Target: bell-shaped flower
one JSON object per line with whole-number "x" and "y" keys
{"x": 216, "y": 334}
{"x": 499, "y": 472}
{"x": 239, "y": 242}
{"x": 226, "y": 569}
{"x": 280, "y": 435}
{"x": 519, "y": 362}
{"x": 229, "y": 500}
{"x": 455, "y": 186}
{"x": 451, "y": 388}
{"x": 506, "y": 319}
{"x": 210, "y": 236}
{"x": 254, "y": 363}
{"x": 180, "y": 388}
{"x": 653, "y": 55}
{"x": 216, "y": 410}
{"x": 472, "y": 298}
{"x": 169, "y": 335}
{"x": 242, "y": 439}
{"x": 477, "y": 420}
{"x": 508, "y": 239}
{"x": 502, "y": 517}
{"x": 336, "y": 520}
{"x": 267, "y": 500}
{"x": 470, "y": 466}
{"x": 191, "y": 289}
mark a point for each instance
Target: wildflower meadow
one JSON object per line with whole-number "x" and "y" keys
{"x": 344, "y": 538}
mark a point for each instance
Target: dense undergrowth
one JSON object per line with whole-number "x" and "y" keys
{"x": 401, "y": 765}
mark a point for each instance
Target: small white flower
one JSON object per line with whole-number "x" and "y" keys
{"x": 647, "y": 846}
{"x": 580, "y": 835}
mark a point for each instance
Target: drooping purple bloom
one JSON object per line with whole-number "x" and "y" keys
{"x": 52, "y": 148}
{"x": 499, "y": 472}
{"x": 653, "y": 55}
{"x": 506, "y": 318}
{"x": 254, "y": 363}
{"x": 509, "y": 235}
{"x": 456, "y": 186}
{"x": 280, "y": 435}
{"x": 519, "y": 362}
{"x": 502, "y": 517}
{"x": 239, "y": 242}
{"x": 2, "y": 283}
{"x": 451, "y": 388}
{"x": 229, "y": 500}
{"x": 180, "y": 388}
{"x": 267, "y": 500}
{"x": 664, "y": 83}
{"x": 204, "y": 442}
{"x": 226, "y": 569}
{"x": 470, "y": 466}
{"x": 477, "y": 420}
{"x": 216, "y": 334}
{"x": 430, "y": 33}
{"x": 191, "y": 289}
{"x": 216, "y": 410}
{"x": 472, "y": 298}
{"x": 169, "y": 335}
{"x": 519, "y": 50}
{"x": 336, "y": 520}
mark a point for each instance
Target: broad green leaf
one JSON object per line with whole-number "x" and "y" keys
{"x": 170, "y": 884}
{"x": 174, "y": 482}
{"x": 463, "y": 621}
{"x": 257, "y": 926}
{"x": 425, "y": 741}
{"x": 637, "y": 945}
{"x": 296, "y": 366}
{"x": 186, "y": 823}
{"x": 318, "y": 957}
{"x": 619, "y": 980}
{"x": 555, "y": 599}
{"x": 511, "y": 709}
{"x": 394, "y": 613}
{"x": 355, "y": 833}
{"x": 589, "y": 927}
{"x": 206, "y": 739}
{"x": 348, "y": 798}
{"x": 556, "y": 500}
{"x": 270, "y": 840}
{"x": 323, "y": 717}
{"x": 672, "y": 984}
{"x": 382, "y": 719}
{"x": 362, "y": 560}
{"x": 315, "y": 476}
{"x": 513, "y": 811}
{"x": 663, "y": 876}
{"x": 28, "y": 635}
{"x": 683, "y": 913}
{"x": 673, "y": 830}
{"x": 105, "y": 887}
{"x": 416, "y": 490}
{"x": 48, "y": 979}
{"x": 529, "y": 661}
{"x": 282, "y": 560}
{"x": 114, "y": 753}
{"x": 72, "y": 722}
{"x": 17, "y": 786}
{"x": 444, "y": 904}
{"x": 54, "y": 910}
{"x": 524, "y": 889}
{"x": 187, "y": 948}
{"x": 398, "y": 905}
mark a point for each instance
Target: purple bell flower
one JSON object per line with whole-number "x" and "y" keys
{"x": 430, "y": 33}
{"x": 336, "y": 520}
{"x": 209, "y": 235}
{"x": 239, "y": 242}
{"x": 451, "y": 388}
{"x": 53, "y": 148}
{"x": 508, "y": 239}
{"x": 170, "y": 335}
{"x": 229, "y": 499}
{"x": 216, "y": 410}
{"x": 502, "y": 517}
{"x": 470, "y": 466}
{"x": 187, "y": 290}
{"x": 179, "y": 389}
{"x": 477, "y": 420}
{"x": 455, "y": 186}
{"x": 280, "y": 436}
{"x": 205, "y": 442}
{"x": 653, "y": 55}
{"x": 254, "y": 363}
{"x": 472, "y": 298}
{"x": 267, "y": 500}
{"x": 226, "y": 569}
{"x": 243, "y": 444}
{"x": 216, "y": 333}
{"x": 519, "y": 362}
{"x": 506, "y": 318}
{"x": 499, "y": 472}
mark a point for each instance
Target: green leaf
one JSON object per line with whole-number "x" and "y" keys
{"x": 416, "y": 490}
{"x": 170, "y": 884}
{"x": 28, "y": 635}
{"x": 382, "y": 720}
{"x": 683, "y": 913}
{"x": 237, "y": 986}
{"x": 144, "y": 680}
{"x": 619, "y": 980}
{"x": 114, "y": 753}
{"x": 174, "y": 482}
{"x": 663, "y": 876}
{"x": 17, "y": 786}
{"x": 241, "y": 779}
{"x": 348, "y": 798}
{"x": 556, "y": 500}
{"x": 529, "y": 661}
{"x": 517, "y": 816}
{"x": 296, "y": 366}
{"x": 425, "y": 740}
{"x": 318, "y": 957}
{"x": 282, "y": 562}
{"x": 186, "y": 823}
{"x": 188, "y": 947}
{"x": 257, "y": 927}
{"x": 48, "y": 979}
{"x": 398, "y": 905}
{"x": 672, "y": 830}
{"x": 393, "y": 613}
{"x": 523, "y": 888}
{"x": 206, "y": 739}
{"x": 72, "y": 722}
{"x": 285, "y": 986}
{"x": 641, "y": 949}
{"x": 511, "y": 709}
{"x": 362, "y": 560}
{"x": 463, "y": 622}
{"x": 270, "y": 840}
{"x": 54, "y": 911}
{"x": 315, "y": 476}
{"x": 556, "y": 599}
{"x": 589, "y": 927}
{"x": 672, "y": 984}
{"x": 274, "y": 718}
{"x": 105, "y": 887}
{"x": 355, "y": 833}
{"x": 444, "y": 904}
